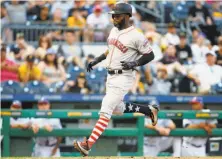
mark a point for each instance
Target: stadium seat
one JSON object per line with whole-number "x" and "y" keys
{"x": 11, "y": 87}
{"x": 73, "y": 72}
{"x": 36, "y": 87}
{"x": 56, "y": 87}
{"x": 180, "y": 12}
{"x": 95, "y": 82}
{"x": 217, "y": 88}
{"x": 100, "y": 71}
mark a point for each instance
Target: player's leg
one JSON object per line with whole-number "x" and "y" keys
{"x": 112, "y": 98}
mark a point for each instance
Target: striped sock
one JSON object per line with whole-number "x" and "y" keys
{"x": 100, "y": 126}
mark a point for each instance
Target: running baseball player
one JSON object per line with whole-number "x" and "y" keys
{"x": 154, "y": 145}
{"x": 127, "y": 49}
{"x": 46, "y": 146}
{"x": 196, "y": 146}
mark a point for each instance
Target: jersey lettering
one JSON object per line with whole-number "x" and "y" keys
{"x": 118, "y": 44}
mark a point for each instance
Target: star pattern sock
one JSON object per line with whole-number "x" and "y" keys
{"x": 137, "y": 108}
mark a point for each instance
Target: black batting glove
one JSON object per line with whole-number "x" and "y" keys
{"x": 128, "y": 65}
{"x": 89, "y": 67}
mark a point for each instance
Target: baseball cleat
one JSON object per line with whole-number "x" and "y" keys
{"x": 82, "y": 147}
{"x": 154, "y": 114}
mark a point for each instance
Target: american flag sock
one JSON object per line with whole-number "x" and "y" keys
{"x": 137, "y": 108}
{"x": 100, "y": 126}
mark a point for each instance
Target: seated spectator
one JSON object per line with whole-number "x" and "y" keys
{"x": 77, "y": 62}
{"x": 151, "y": 32}
{"x": 34, "y": 8}
{"x": 77, "y": 21}
{"x": 138, "y": 86}
{"x": 44, "y": 44}
{"x": 56, "y": 21}
{"x": 96, "y": 20}
{"x": 171, "y": 36}
{"x": 64, "y": 6}
{"x": 156, "y": 49}
{"x": 199, "y": 14}
{"x": 44, "y": 14}
{"x": 207, "y": 74}
{"x": 184, "y": 53}
{"x": 217, "y": 11}
{"x": 21, "y": 49}
{"x": 4, "y": 15}
{"x": 159, "y": 85}
{"x": 69, "y": 49}
{"x": 23, "y": 123}
{"x": 170, "y": 62}
{"x": 51, "y": 70}
{"x": 199, "y": 50}
{"x": 9, "y": 70}
{"x": 82, "y": 6}
{"x": 78, "y": 86}
{"x": 16, "y": 12}
{"x": 28, "y": 71}
{"x": 219, "y": 52}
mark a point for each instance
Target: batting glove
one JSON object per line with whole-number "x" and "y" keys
{"x": 89, "y": 67}
{"x": 128, "y": 65}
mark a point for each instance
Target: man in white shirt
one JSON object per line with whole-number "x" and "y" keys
{"x": 196, "y": 146}
{"x": 207, "y": 74}
{"x": 171, "y": 36}
{"x": 96, "y": 20}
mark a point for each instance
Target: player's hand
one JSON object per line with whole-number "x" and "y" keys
{"x": 202, "y": 125}
{"x": 128, "y": 65}
{"x": 90, "y": 65}
{"x": 35, "y": 128}
{"x": 24, "y": 126}
{"x": 48, "y": 128}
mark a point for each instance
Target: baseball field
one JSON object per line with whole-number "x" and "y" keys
{"x": 116, "y": 157}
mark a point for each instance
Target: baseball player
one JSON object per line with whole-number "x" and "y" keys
{"x": 46, "y": 146}
{"x": 23, "y": 123}
{"x": 154, "y": 145}
{"x": 127, "y": 49}
{"x": 196, "y": 146}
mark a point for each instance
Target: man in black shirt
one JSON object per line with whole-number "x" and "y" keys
{"x": 200, "y": 14}
{"x": 219, "y": 52}
{"x": 184, "y": 53}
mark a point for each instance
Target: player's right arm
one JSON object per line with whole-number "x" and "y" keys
{"x": 97, "y": 60}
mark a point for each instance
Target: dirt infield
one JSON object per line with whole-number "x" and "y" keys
{"x": 113, "y": 157}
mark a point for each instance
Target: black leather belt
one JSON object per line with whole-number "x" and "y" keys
{"x": 112, "y": 72}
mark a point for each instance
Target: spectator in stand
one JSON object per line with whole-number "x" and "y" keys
{"x": 44, "y": 44}
{"x": 159, "y": 85}
{"x": 138, "y": 86}
{"x": 28, "y": 71}
{"x": 195, "y": 34}
{"x": 199, "y": 14}
{"x": 82, "y": 7}
{"x": 219, "y": 52}
{"x": 9, "y": 70}
{"x": 64, "y": 6}
{"x": 15, "y": 122}
{"x": 34, "y": 8}
{"x": 4, "y": 15}
{"x": 44, "y": 14}
{"x": 78, "y": 86}
{"x": 151, "y": 32}
{"x": 184, "y": 53}
{"x": 156, "y": 49}
{"x": 56, "y": 21}
{"x": 217, "y": 12}
{"x": 170, "y": 62}
{"x": 96, "y": 20}
{"x": 199, "y": 50}
{"x": 171, "y": 36}
{"x": 51, "y": 70}
{"x": 21, "y": 49}
{"x": 207, "y": 74}
{"x": 69, "y": 49}
{"x": 16, "y": 12}
{"x": 77, "y": 21}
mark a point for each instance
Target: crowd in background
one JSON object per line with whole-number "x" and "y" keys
{"x": 186, "y": 63}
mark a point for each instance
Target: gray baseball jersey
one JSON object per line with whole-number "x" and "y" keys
{"x": 41, "y": 122}
{"x": 125, "y": 45}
